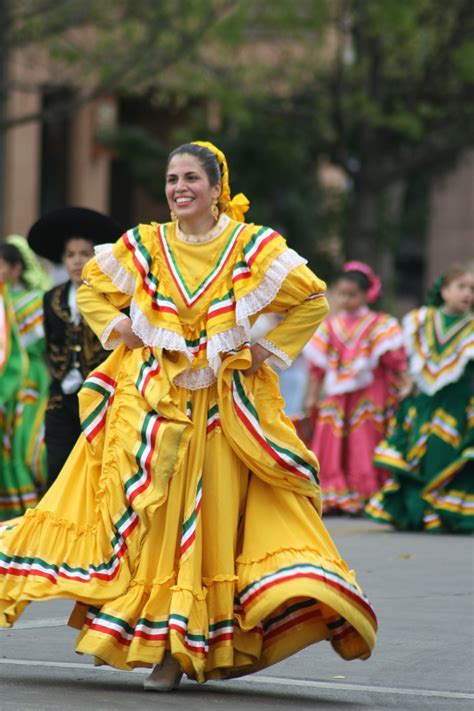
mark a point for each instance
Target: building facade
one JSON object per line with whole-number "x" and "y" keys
{"x": 54, "y": 159}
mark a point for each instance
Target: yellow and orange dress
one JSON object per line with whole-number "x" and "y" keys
{"x": 187, "y": 516}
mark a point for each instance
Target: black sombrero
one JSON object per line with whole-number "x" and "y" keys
{"x": 48, "y": 235}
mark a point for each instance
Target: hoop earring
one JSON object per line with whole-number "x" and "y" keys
{"x": 173, "y": 216}
{"x": 215, "y": 211}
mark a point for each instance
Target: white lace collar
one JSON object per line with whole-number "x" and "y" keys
{"x": 214, "y": 233}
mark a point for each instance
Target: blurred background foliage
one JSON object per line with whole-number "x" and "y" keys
{"x": 336, "y": 115}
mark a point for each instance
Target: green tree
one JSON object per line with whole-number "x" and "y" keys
{"x": 384, "y": 92}
{"x": 379, "y": 88}
{"x": 102, "y": 46}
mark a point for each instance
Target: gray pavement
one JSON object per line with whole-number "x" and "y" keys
{"x": 422, "y": 589}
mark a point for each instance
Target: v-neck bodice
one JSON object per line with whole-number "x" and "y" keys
{"x": 195, "y": 267}
{"x": 439, "y": 346}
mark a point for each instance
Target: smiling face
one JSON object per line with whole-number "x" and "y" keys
{"x": 458, "y": 295}
{"x": 77, "y": 252}
{"x": 188, "y": 191}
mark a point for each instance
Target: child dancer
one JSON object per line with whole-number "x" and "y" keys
{"x": 357, "y": 358}
{"x": 23, "y": 396}
{"x": 431, "y": 450}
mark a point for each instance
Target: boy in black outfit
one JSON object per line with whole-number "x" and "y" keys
{"x": 68, "y": 236}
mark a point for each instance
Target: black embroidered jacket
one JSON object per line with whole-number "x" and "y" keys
{"x": 67, "y": 345}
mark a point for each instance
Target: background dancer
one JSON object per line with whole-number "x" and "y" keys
{"x": 430, "y": 452}
{"x": 357, "y": 359}
{"x": 67, "y": 237}
{"x": 24, "y": 381}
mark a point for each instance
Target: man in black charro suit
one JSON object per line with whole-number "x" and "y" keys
{"x": 72, "y": 349}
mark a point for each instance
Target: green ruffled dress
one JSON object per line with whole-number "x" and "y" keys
{"x": 24, "y": 384}
{"x": 430, "y": 450}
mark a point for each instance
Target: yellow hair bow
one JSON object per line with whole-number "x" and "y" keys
{"x": 237, "y": 207}
{"x": 239, "y": 204}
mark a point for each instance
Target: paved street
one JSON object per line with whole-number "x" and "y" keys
{"x": 422, "y": 590}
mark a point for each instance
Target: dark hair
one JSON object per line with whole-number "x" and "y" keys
{"x": 357, "y": 278}
{"x": 71, "y": 237}
{"x": 11, "y": 255}
{"x": 206, "y": 158}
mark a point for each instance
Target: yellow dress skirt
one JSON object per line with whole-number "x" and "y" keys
{"x": 184, "y": 539}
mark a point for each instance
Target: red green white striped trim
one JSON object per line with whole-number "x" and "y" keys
{"x": 260, "y": 239}
{"x": 138, "y": 483}
{"x": 226, "y": 304}
{"x": 190, "y": 525}
{"x": 196, "y": 345}
{"x": 340, "y": 630}
{"x": 196, "y": 643}
{"x": 25, "y": 566}
{"x": 306, "y": 571}
{"x": 188, "y": 296}
{"x": 149, "y": 370}
{"x": 105, "y": 386}
{"x": 217, "y": 633}
{"x": 142, "y": 260}
{"x": 284, "y": 457}
{"x": 166, "y": 304}
{"x": 222, "y": 631}
{"x": 241, "y": 271}
{"x": 158, "y": 630}
{"x": 213, "y": 419}
{"x": 296, "y": 614}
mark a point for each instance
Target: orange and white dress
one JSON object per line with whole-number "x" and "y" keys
{"x": 187, "y": 516}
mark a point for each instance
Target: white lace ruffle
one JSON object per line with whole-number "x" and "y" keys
{"x": 363, "y": 367}
{"x": 388, "y": 344}
{"x": 110, "y": 265}
{"x": 314, "y": 356}
{"x": 279, "y": 358}
{"x": 459, "y": 363}
{"x": 110, "y": 343}
{"x": 229, "y": 340}
{"x": 232, "y": 339}
{"x": 414, "y": 323}
{"x": 363, "y": 378}
{"x": 196, "y": 379}
{"x": 265, "y": 292}
{"x": 159, "y": 337}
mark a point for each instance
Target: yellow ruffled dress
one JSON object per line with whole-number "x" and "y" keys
{"x": 188, "y": 514}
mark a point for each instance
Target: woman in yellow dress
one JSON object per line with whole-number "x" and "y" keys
{"x": 186, "y": 523}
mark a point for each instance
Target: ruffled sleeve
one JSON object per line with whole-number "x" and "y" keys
{"x": 108, "y": 283}
{"x": 302, "y": 300}
{"x": 270, "y": 277}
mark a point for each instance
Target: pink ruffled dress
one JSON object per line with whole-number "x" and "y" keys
{"x": 359, "y": 357}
